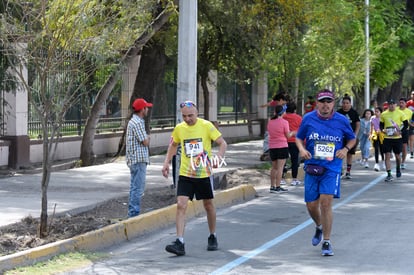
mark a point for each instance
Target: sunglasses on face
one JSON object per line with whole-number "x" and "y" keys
{"x": 187, "y": 103}
{"x": 326, "y": 100}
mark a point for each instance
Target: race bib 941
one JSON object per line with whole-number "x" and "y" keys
{"x": 324, "y": 150}
{"x": 193, "y": 147}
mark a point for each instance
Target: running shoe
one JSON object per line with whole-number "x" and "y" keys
{"x": 366, "y": 165}
{"x": 282, "y": 182}
{"x": 402, "y": 166}
{"x": 327, "y": 249}
{"x": 348, "y": 176}
{"x": 280, "y": 189}
{"x": 212, "y": 243}
{"x": 176, "y": 248}
{"x": 317, "y": 238}
{"x": 295, "y": 182}
{"x": 277, "y": 189}
{"x": 377, "y": 167}
{"x": 389, "y": 179}
{"x": 398, "y": 174}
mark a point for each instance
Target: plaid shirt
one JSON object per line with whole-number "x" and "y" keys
{"x": 136, "y": 152}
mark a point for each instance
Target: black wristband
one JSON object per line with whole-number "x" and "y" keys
{"x": 347, "y": 148}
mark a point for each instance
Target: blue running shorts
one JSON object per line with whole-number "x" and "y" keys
{"x": 329, "y": 183}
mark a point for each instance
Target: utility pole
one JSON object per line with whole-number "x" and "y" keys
{"x": 187, "y": 66}
{"x": 187, "y": 54}
{"x": 367, "y": 63}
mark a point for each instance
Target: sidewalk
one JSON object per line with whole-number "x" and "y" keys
{"x": 79, "y": 189}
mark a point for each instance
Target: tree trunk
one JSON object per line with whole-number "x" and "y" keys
{"x": 246, "y": 101}
{"x": 396, "y": 86}
{"x": 149, "y": 84}
{"x": 43, "y": 228}
{"x": 87, "y": 154}
{"x": 204, "y": 86}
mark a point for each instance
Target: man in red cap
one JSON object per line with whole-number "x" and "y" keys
{"x": 137, "y": 154}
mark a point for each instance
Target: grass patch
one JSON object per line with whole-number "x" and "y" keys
{"x": 226, "y": 109}
{"x": 265, "y": 165}
{"x": 59, "y": 264}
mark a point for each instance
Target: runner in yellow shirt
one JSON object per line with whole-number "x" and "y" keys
{"x": 195, "y": 136}
{"x": 392, "y": 123}
{"x": 405, "y": 134}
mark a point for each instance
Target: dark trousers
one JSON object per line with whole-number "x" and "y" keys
{"x": 294, "y": 158}
{"x": 378, "y": 149}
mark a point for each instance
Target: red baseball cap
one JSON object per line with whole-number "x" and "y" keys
{"x": 140, "y": 104}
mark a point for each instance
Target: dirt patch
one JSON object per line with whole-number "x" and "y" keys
{"x": 23, "y": 235}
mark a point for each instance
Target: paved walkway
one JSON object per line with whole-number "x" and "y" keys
{"x": 78, "y": 189}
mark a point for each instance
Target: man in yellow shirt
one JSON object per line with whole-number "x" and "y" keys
{"x": 393, "y": 122}
{"x": 405, "y": 134}
{"x": 195, "y": 135}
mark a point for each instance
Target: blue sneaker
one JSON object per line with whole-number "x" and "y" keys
{"x": 327, "y": 249}
{"x": 317, "y": 238}
{"x": 398, "y": 174}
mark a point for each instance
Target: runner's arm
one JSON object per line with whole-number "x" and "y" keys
{"x": 172, "y": 150}
{"x": 222, "y": 146}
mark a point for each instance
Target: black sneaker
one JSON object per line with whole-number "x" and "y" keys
{"x": 273, "y": 189}
{"x": 398, "y": 174}
{"x": 280, "y": 189}
{"x": 327, "y": 249}
{"x": 212, "y": 243}
{"x": 317, "y": 238}
{"x": 389, "y": 179}
{"x": 176, "y": 248}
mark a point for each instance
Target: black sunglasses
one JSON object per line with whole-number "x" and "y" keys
{"x": 326, "y": 100}
{"x": 188, "y": 104}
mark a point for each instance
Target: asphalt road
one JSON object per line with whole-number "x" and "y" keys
{"x": 372, "y": 234}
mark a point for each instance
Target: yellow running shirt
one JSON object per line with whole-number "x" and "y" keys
{"x": 195, "y": 141}
{"x": 393, "y": 121}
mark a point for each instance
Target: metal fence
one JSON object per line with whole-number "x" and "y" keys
{"x": 114, "y": 125}
{"x": 76, "y": 127}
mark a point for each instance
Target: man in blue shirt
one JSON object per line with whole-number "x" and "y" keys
{"x": 137, "y": 154}
{"x": 324, "y": 132}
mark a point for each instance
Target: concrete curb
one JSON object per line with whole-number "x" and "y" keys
{"x": 124, "y": 230}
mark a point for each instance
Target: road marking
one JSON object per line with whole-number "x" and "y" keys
{"x": 229, "y": 266}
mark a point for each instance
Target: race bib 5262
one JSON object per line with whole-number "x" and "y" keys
{"x": 324, "y": 150}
